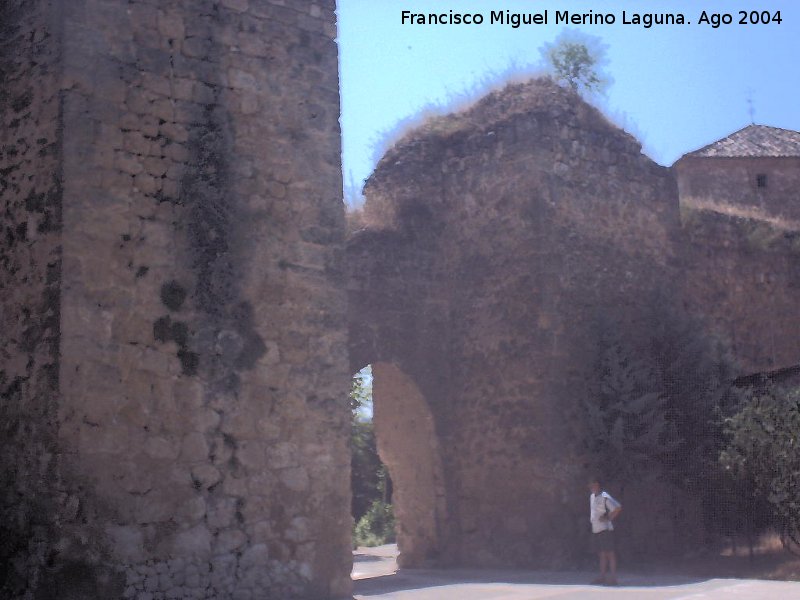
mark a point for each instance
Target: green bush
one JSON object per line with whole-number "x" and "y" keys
{"x": 371, "y": 484}
{"x": 368, "y": 473}
{"x": 763, "y": 453}
{"x": 376, "y": 527}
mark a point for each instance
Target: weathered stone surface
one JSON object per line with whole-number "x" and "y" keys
{"x": 30, "y": 291}
{"x": 495, "y": 239}
{"x": 730, "y": 184}
{"x": 740, "y": 270}
{"x": 194, "y": 542}
{"x": 493, "y": 236}
{"x": 206, "y": 476}
{"x": 740, "y": 229}
{"x": 138, "y": 375}
{"x": 172, "y": 368}
{"x": 406, "y": 435}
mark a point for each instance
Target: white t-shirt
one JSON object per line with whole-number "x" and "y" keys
{"x": 597, "y": 508}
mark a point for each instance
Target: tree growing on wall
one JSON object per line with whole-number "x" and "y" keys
{"x": 576, "y": 59}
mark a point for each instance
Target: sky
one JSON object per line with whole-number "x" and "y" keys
{"x": 675, "y": 87}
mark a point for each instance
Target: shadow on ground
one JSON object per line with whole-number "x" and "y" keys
{"x": 411, "y": 579}
{"x": 375, "y": 575}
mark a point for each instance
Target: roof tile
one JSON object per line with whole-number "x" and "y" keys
{"x": 754, "y": 141}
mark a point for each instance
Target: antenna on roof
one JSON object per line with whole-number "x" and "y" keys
{"x": 751, "y": 110}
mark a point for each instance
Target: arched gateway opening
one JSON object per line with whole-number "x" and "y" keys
{"x": 182, "y": 303}
{"x": 396, "y": 324}
{"x": 408, "y": 446}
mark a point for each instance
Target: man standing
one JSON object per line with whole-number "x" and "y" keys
{"x": 603, "y": 509}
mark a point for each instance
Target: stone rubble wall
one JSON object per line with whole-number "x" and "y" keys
{"x": 743, "y": 275}
{"x": 399, "y": 323}
{"x": 731, "y": 184}
{"x": 177, "y": 294}
{"x": 524, "y": 217}
{"x": 557, "y": 220}
{"x": 30, "y": 277}
{"x": 740, "y": 245}
{"x": 201, "y": 387}
{"x": 497, "y": 241}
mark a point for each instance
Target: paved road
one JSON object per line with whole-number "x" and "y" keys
{"x": 374, "y": 562}
{"x": 376, "y": 578}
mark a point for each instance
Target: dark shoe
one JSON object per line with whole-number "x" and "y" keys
{"x": 612, "y": 581}
{"x": 599, "y": 580}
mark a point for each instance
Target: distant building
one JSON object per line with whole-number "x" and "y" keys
{"x": 753, "y": 172}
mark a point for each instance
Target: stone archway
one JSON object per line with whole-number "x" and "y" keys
{"x": 401, "y": 328}
{"x": 409, "y": 447}
{"x": 174, "y": 368}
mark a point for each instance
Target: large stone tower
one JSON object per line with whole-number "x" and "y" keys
{"x": 174, "y": 377}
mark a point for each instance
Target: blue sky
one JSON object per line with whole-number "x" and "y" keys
{"x": 676, "y": 87}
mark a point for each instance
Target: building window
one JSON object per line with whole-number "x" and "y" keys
{"x": 761, "y": 180}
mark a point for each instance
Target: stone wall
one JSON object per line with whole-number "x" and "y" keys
{"x": 499, "y": 241}
{"x": 201, "y": 388}
{"x": 399, "y": 317}
{"x": 174, "y": 313}
{"x": 495, "y": 239}
{"x": 30, "y": 275}
{"x": 731, "y": 183}
{"x": 743, "y": 275}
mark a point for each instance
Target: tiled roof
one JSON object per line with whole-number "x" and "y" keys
{"x": 754, "y": 141}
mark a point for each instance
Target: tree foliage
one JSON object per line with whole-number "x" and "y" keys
{"x": 763, "y": 451}
{"x": 376, "y": 526}
{"x": 367, "y": 471}
{"x": 575, "y": 60}
{"x": 694, "y": 371}
{"x": 361, "y": 392}
{"x": 370, "y": 482}
{"x": 660, "y": 387}
{"x": 626, "y": 422}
